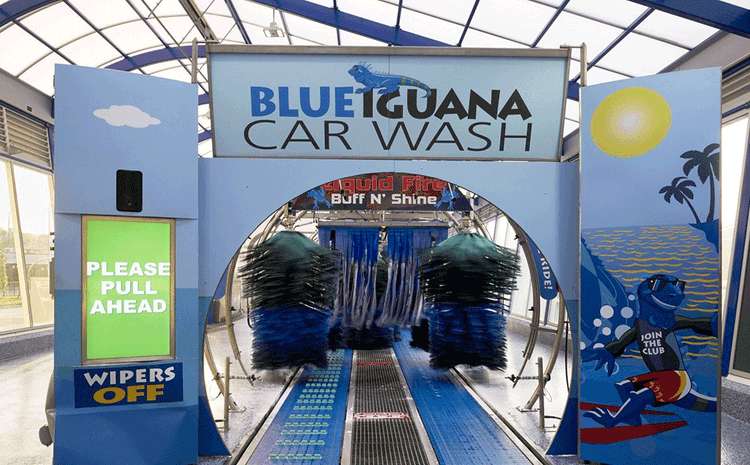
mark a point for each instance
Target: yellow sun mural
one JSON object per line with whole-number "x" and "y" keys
{"x": 630, "y": 122}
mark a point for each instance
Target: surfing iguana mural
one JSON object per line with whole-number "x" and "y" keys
{"x": 387, "y": 83}
{"x": 654, "y": 329}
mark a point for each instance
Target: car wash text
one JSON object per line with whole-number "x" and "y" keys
{"x": 318, "y": 119}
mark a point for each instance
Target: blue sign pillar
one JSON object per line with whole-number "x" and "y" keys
{"x": 143, "y": 411}
{"x": 650, "y": 270}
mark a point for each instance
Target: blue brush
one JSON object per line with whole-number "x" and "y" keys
{"x": 465, "y": 281}
{"x": 290, "y": 281}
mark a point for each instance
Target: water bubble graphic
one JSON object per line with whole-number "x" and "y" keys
{"x": 607, "y": 311}
{"x": 620, "y": 330}
{"x": 597, "y": 322}
{"x": 626, "y": 312}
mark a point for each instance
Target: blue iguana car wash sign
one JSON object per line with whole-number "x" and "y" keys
{"x": 388, "y": 103}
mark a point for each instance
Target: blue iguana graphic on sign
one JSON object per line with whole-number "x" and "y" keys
{"x": 387, "y": 83}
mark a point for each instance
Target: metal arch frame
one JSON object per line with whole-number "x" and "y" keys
{"x": 716, "y": 14}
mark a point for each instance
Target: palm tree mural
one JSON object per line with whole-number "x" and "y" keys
{"x": 707, "y": 164}
{"x": 680, "y": 191}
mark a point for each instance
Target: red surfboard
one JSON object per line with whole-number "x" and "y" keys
{"x": 602, "y": 435}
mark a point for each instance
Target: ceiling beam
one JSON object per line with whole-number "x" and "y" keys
{"x": 714, "y": 13}
{"x": 549, "y": 23}
{"x": 468, "y": 23}
{"x": 15, "y": 9}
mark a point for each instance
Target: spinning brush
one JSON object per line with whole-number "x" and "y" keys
{"x": 464, "y": 281}
{"x": 290, "y": 281}
{"x": 374, "y": 336}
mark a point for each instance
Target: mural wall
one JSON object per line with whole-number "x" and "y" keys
{"x": 650, "y": 264}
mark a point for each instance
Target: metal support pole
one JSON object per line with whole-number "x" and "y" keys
{"x": 194, "y": 62}
{"x": 584, "y": 66}
{"x": 226, "y": 393}
{"x": 540, "y": 366}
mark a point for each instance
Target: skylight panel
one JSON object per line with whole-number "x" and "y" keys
{"x": 181, "y": 28}
{"x": 517, "y": 20}
{"x": 326, "y": 3}
{"x": 213, "y": 7}
{"x": 348, "y": 38}
{"x": 41, "y": 74}
{"x": 132, "y": 36}
{"x": 310, "y": 30}
{"x": 478, "y": 39}
{"x": 91, "y": 50}
{"x": 162, "y": 8}
{"x": 254, "y": 14}
{"x": 428, "y": 26}
{"x": 14, "y": 39}
{"x": 597, "y": 75}
{"x": 57, "y": 24}
{"x": 446, "y": 9}
{"x": 570, "y": 29}
{"x": 177, "y": 73}
{"x": 641, "y": 56}
{"x": 119, "y": 58}
{"x": 157, "y": 68}
{"x": 673, "y": 28}
{"x": 113, "y": 13}
{"x": 614, "y": 12}
{"x": 374, "y": 10}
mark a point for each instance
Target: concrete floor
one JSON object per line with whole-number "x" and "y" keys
{"x": 24, "y": 380}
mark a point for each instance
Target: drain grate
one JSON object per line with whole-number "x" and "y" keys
{"x": 383, "y": 431}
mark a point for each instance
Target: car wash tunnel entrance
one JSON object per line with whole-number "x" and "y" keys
{"x": 347, "y": 311}
{"x": 357, "y": 305}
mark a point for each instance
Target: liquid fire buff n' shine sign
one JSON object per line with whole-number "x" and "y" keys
{"x": 394, "y": 103}
{"x": 128, "y": 295}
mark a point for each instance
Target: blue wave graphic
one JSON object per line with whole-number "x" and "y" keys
{"x": 614, "y": 261}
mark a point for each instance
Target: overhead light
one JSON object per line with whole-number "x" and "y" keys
{"x": 273, "y": 29}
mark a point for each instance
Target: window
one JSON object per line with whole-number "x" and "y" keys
{"x": 13, "y": 315}
{"x": 35, "y": 210}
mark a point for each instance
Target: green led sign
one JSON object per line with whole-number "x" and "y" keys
{"x": 128, "y": 289}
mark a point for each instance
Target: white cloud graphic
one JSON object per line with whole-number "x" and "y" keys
{"x": 126, "y": 115}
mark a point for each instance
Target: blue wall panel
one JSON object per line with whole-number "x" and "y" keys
{"x": 108, "y": 120}
{"x": 236, "y": 195}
